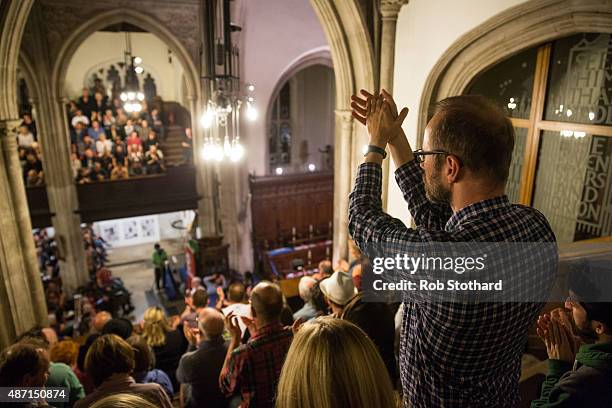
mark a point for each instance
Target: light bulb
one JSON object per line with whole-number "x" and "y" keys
{"x": 131, "y": 96}
{"x": 139, "y": 70}
{"x": 123, "y": 96}
{"x": 137, "y": 60}
{"x": 140, "y": 96}
{"x": 312, "y": 167}
{"x": 251, "y": 113}
{"x": 128, "y": 107}
{"x": 278, "y": 171}
{"x": 217, "y": 152}
{"x": 137, "y": 107}
{"x": 227, "y": 147}
{"x": 250, "y": 87}
{"x": 591, "y": 115}
{"x": 206, "y": 119}
{"x": 237, "y": 152}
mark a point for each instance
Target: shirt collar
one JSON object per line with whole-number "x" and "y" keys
{"x": 267, "y": 329}
{"x": 476, "y": 210}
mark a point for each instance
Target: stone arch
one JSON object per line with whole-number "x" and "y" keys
{"x": 518, "y": 28}
{"x": 120, "y": 15}
{"x": 316, "y": 56}
{"x": 352, "y": 54}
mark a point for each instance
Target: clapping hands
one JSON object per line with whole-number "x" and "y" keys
{"x": 555, "y": 329}
{"x": 379, "y": 114}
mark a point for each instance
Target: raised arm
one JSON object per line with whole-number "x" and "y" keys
{"x": 408, "y": 175}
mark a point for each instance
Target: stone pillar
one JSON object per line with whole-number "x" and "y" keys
{"x": 342, "y": 181}
{"x": 389, "y": 10}
{"x": 54, "y": 139}
{"x": 22, "y": 302}
{"x": 206, "y": 178}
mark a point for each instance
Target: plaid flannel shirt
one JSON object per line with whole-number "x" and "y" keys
{"x": 452, "y": 354}
{"x": 255, "y": 367}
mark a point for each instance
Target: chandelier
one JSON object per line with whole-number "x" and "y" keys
{"x": 227, "y": 96}
{"x": 131, "y": 95}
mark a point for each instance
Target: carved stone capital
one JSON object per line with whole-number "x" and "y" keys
{"x": 389, "y": 9}
{"x": 8, "y": 128}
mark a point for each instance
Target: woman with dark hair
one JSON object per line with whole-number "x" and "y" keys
{"x": 144, "y": 371}
{"x": 109, "y": 363}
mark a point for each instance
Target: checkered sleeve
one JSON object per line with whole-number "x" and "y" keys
{"x": 367, "y": 221}
{"x": 229, "y": 379}
{"x": 426, "y": 214}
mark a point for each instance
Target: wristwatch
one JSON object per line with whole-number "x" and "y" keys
{"x": 376, "y": 149}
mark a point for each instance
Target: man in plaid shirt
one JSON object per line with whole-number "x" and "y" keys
{"x": 253, "y": 369}
{"x": 451, "y": 354}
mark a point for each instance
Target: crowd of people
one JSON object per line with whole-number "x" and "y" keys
{"x": 107, "y": 143}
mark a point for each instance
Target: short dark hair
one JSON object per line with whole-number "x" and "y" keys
{"x": 156, "y": 246}
{"x": 236, "y": 291}
{"x": 477, "y": 131}
{"x": 18, "y": 360}
{"x": 200, "y": 298}
{"x": 109, "y": 354}
{"x": 144, "y": 358}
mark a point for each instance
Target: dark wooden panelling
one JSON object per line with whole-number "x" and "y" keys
{"x": 173, "y": 191}
{"x": 38, "y": 204}
{"x": 281, "y": 205}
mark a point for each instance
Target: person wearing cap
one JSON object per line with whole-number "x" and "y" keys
{"x": 579, "y": 375}
{"x": 338, "y": 290}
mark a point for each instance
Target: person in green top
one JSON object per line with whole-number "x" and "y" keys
{"x": 159, "y": 261}
{"x": 579, "y": 375}
{"x": 61, "y": 375}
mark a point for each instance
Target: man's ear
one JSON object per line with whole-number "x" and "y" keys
{"x": 599, "y": 327}
{"x": 453, "y": 169}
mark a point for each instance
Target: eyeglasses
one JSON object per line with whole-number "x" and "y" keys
{"x": 420, "y": 154}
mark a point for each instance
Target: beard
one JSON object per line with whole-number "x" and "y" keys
{"x": 434, "y": 189}
{"x": 586, "y": 331}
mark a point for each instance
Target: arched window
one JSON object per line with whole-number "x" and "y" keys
{"x": 559, "y": 99}
{"x": 280, "y": 128}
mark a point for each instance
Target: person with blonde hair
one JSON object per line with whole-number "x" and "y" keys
{"x": 123, "y": 401}
{"x": 168, "y": 344}
{"x": 332, "y": 363}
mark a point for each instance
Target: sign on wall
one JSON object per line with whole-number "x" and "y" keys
{"x": 129, "y": 231}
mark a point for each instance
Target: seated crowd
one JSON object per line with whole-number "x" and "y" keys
{"x": 248, "y": 348}
{"x": 105, "y": 142}
{"x": 108, "y": 144}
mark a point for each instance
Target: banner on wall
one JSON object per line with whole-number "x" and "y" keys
{"x": 129, "y": 231}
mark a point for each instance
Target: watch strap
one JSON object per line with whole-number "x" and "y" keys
{"x": 376, "y": 149}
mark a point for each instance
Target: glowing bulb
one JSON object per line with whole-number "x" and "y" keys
{"x": 227, "y": 148}
{"x": 123, "y": 96}
{"x": 131, "y": 96}
{"x": 237, "y": 152}
{"x": 569, "y": 113}
{"x": 511, "y": 99}
{"x": 312, "y": 167}
{"x": 128, "y": 107}
{"x": 217, "y": 152}
{"x": 278, "y": 171}
{"x": 579, "y": 135}
{"x": 206, "y": 119}
{"x": 591, "y": 115}
{"x": 251, "y": 113}
{"x": 250, "y": 87}
{"x": 137, "y": 60}
{"x": 137, "y": 107}
{"x": 139, "y": 70}
{"x": 140, "y": 96}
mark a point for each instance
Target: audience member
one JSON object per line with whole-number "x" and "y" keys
{"x": 79, "y": 117}
{"x": 332, "y": 363}
{"x": 119, "y": 172}
{"x": 25, "y": 138}
{"x": 103, "y": 145}
{"x": 150, "y": 140}
{"x": 338, "y": 290}
{"x": 253, "y": 369}
{"x": 85, "y": 103}
{"x": 309, "y": 310}
{"x": 30, "y": 123}
{"x": 376, "y": 319}
{"x": 155, "y": 160}
{"x": 144, "y": 371}
{"x": 167, "y": 344}
{"x": 123, "y": 401}
{"x": 24, "y": 365}
{"x": 109, "y": 363}
{"x": 199, "y": 369}
{"x": 187, "y": 145}
{"x": 143, "y": 130}
{"x": 236, "y": 296}
{"x": 95, "y": 131}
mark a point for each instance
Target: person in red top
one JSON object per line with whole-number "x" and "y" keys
{"x": 253, "y": 369}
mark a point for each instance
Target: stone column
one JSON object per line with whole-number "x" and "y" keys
{"x": 206, "y": 179}
{"x": 342, "y": 181}
{"x": 389, "y": 10}
{"x": 22, "y": 302}
{"x": 54, "y": 139}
